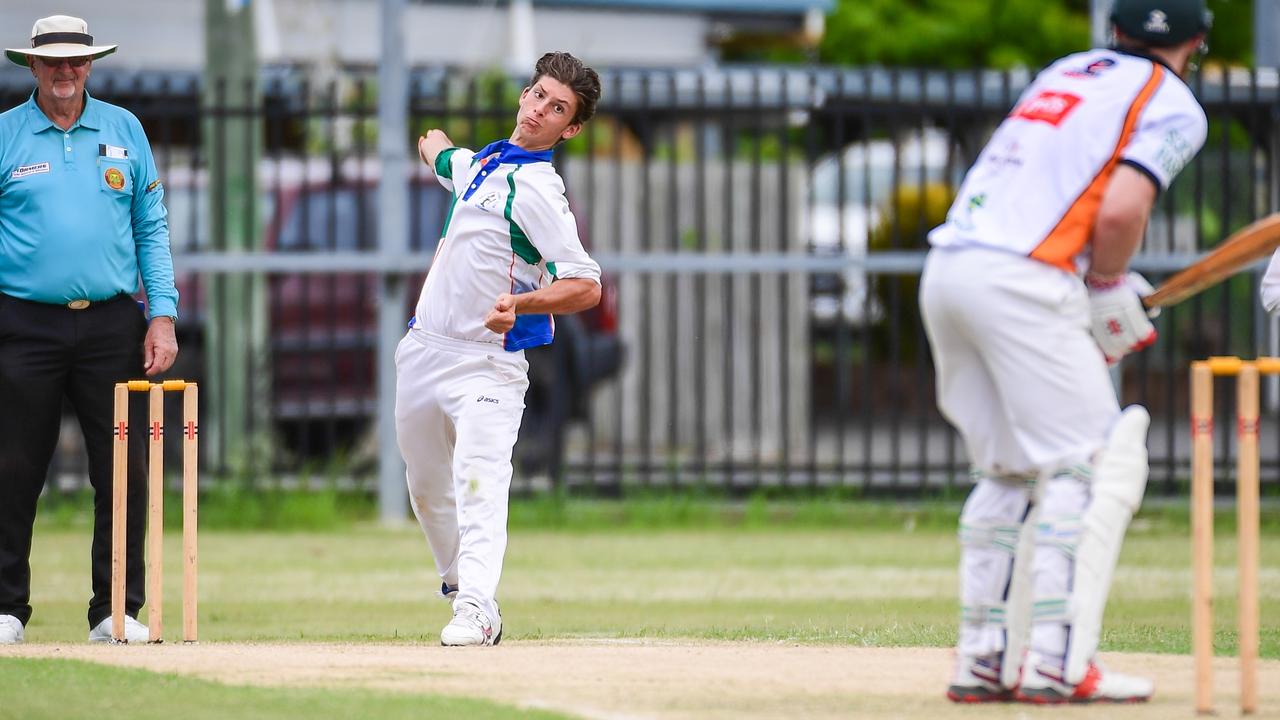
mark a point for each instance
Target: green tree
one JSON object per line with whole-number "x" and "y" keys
{"x": 1231, "y": 40}
{"x": 954, "y": 33}
{"x": 992, "y": 33}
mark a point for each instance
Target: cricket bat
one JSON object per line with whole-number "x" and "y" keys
{"x": 1244, "y": 247}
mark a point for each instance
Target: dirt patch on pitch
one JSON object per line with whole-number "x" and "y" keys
{"x": 648, "y": 679}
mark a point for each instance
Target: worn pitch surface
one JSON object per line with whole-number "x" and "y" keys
{"x": 652, "y": 679}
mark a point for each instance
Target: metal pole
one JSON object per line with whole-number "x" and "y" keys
{"x": 520, "y": 22}
{"x": 1266, "y": 24}
{"x": 236, "y": 354}
{"x": 1100, "y": 22}
{"x": 393, "y": 238}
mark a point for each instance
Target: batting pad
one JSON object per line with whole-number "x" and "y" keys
{"x": 1119, "y": 481}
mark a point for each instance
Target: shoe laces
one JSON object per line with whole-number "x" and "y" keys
{"x": 986, "y": 668}
{"x": 471, "y": 615}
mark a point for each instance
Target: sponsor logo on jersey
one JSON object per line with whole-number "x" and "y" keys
{"x": 488, "y": 202}
{"x": 484, "y": 399}
{"x": 1049, "y": 107}
{"x": 1093, "y": 69}
{"x": 25, "y": 170}
{"x": 1175, "y": 152}
{"x": 114, "y": 178}
{"x": 1010, "y": 155}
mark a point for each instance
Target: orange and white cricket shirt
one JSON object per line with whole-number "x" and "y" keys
{"x": 1036, "y": 188}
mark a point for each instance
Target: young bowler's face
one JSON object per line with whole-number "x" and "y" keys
{"x": 546, "y": 114}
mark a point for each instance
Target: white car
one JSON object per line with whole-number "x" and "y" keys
{"x": 838, "y": 228}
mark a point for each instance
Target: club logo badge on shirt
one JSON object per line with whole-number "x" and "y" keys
{"x": 489, "y": 202}
{"x": 115, "y": 179}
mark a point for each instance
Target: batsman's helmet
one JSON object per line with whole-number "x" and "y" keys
{"x": 1161, "y": 23}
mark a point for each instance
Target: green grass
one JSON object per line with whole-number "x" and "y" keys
{"x": 814, "y": 571}
{"x": 63, "y": 689}
{"x": 884, "y": 576}
{"x": 235, "y": 506}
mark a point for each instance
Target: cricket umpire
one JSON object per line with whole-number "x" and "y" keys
{"x": 81, "y": 218}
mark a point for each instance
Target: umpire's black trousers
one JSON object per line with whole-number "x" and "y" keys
{"x": 47, "y": 353}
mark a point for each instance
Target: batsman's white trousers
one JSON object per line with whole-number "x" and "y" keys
{"x": 458, "y": 410}
{"x": 1021, "y": 378}
{"x": 1018, "y": 373}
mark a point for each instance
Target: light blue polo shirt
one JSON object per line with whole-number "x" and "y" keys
{"x": 80, "y": 211}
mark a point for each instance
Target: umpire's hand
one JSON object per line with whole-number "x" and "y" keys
{"x": 160, "y": 348}
{"x": 503, "y": 315}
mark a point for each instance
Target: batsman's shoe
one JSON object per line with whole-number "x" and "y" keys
{"x": 134, "y": 631}
{"x": 11, "y": 632}
{"x": 977, "y": 680}
{"x": 470, "y": 626}
{"x": 1043, "y": 684}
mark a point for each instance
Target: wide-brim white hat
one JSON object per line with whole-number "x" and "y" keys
{"x": 59, "y": 36}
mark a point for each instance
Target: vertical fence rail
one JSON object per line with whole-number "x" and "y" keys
{"x": 761, "y": 231}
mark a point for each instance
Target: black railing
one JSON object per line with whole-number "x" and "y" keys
{"x": 762, "y": 231}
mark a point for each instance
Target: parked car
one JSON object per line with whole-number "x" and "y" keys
{"x": 842, "y": 214}
{"x": 322, "y": 329}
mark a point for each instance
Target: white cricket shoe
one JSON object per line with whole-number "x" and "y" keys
{"x": 470, "y": 626}
{"x": 977, "y": 680}
{"x": 134, "y": 631}
{"x": 11, "y": 632}
{"x": 1043, "y": 684}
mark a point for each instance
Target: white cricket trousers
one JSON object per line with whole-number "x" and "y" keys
{"x": 1018, "y": 372}
{"x": 1021, "y": 378}
{"x": 458, "y": 410}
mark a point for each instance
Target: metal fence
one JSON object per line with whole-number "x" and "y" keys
{"x": 762, "y": 234}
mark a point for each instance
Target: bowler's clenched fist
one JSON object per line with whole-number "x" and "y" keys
{"x": 431, "y": 144}
{"x": 503, "y": 315}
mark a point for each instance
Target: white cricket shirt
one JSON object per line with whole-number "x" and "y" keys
{"x": 1036, "y": 188}
{"x": 508, "y": 230}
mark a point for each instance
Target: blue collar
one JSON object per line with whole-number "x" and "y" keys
{"x": 508, "y": 153}
{"x": 41, "y": 122}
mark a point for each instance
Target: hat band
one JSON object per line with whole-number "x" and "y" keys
{"x": 61, "y": 37}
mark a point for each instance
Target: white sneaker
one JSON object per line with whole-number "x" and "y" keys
{"x": 470, "y": 626}
{"x": 1043, "y": 684}
{"x": 977, "y": 680}
{"x": 11, "y": 632}
{"x": 134, "y": 631}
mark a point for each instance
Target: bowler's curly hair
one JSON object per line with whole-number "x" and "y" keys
{"x": 569, "y": 70}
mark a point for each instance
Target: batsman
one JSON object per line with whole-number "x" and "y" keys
{"x": 1027, "y": 298}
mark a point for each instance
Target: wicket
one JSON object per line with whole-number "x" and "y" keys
{"x": 1246, "y": 373}
{"x": 155, "y": 509}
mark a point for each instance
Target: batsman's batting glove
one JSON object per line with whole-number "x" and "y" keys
{"x": 1118, "y": 320}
